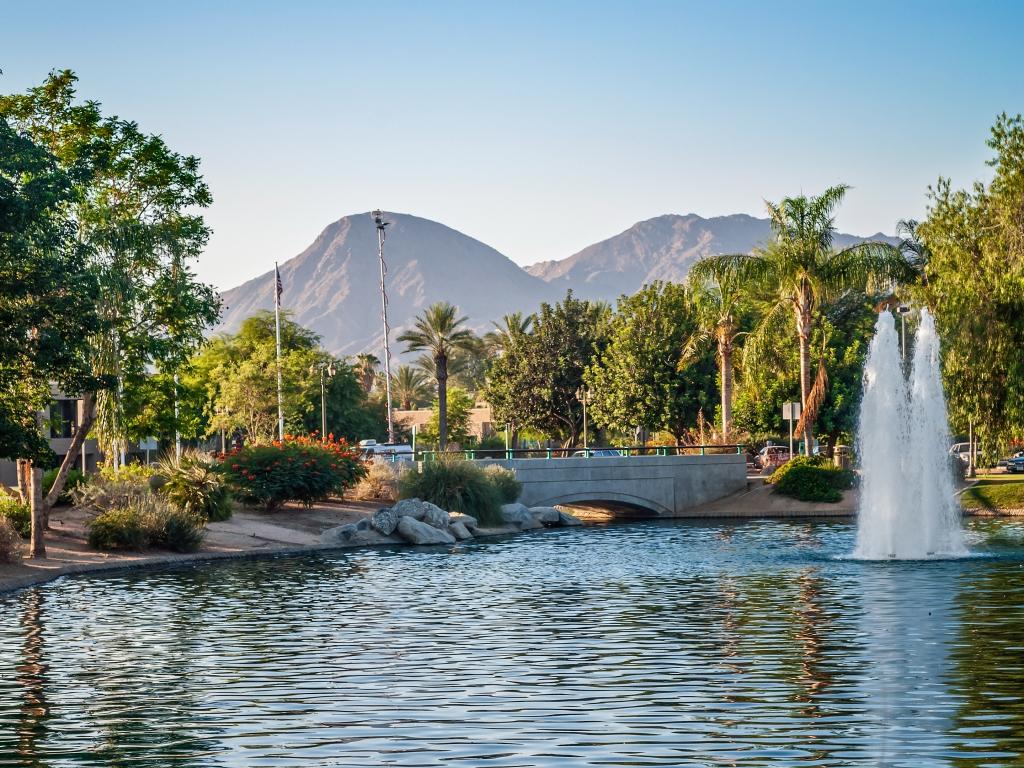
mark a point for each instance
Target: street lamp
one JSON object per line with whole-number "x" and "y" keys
{"x": 902, "y": 311}
{"x": 327, "y": 370}
{"x": 583, "y": 395}
{"x": 378, "y": 220}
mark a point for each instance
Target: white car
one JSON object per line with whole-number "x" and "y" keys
{"x": 962, "y": 450}
{"x": 388, "y": 451}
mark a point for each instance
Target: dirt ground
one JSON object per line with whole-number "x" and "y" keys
{"x": 247, "y": 533}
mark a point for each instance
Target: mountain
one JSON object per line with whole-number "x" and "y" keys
{"x": 333, "y": 287}
{"x": 663, "y": 248}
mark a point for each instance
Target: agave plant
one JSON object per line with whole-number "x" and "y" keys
{"x": 195, "y": 485}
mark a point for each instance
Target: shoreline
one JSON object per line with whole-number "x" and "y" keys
{"x": 251, "y": 535}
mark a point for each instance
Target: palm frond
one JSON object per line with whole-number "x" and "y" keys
{"x": 815, "y": 399}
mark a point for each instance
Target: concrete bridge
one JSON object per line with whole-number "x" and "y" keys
{"x": 642, "y": 486}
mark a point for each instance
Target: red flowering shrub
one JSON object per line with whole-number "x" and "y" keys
{"x": 303, "y": 469}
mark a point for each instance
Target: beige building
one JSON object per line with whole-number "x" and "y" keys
{"x": 480, "y": 423}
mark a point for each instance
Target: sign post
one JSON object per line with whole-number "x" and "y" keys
{"x": 791, "y": 412}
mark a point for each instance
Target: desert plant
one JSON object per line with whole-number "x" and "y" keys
{"x": 17, "y": 514}
{"x": 146, "y": 521}
{"x": 300, "y": 469}
{"x": 505, "y": 482}
{"x": 380, "y": 482}
{"x": 195, "y": 485}
{"x": 454, "y": 485}
{"x": 179, "y": 530}
{"x": 108, "y": 490}
{"x": 10, "y": 542}
{"x": 811, "y": 478}
{"x": 74, "y": 479}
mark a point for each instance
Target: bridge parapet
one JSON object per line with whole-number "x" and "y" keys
{"x": 662, "y": 486}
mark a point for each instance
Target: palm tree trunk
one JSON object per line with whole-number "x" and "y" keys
{"x": 38, "y": 538}
{"x": 804, "y": 332}
{"x": 725, "y": 359}
{"x": 441, "y": 363}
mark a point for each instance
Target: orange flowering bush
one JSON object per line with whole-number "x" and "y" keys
{"x": 299, "y": 468}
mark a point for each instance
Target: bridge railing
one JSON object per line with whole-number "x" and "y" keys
{"x": 592, "y": 452}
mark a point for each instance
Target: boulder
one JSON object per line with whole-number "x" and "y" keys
{"x": 519, "y": 515}
{"x": 564, "y": 518}
{"x": 363, "y": 525}
{"x": 416, "y": 532}
{"x": 459, "y": 531}
{"x": 434, "y": 515}
{"x": 547, "y": 515}
{"x": 409, "y": 508}
{"x": 467, "y": 520}
{"x": 350, "y": 535}
{"x": 385, "y": 520}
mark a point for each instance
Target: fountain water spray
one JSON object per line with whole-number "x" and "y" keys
{"x": 908, "y": 509}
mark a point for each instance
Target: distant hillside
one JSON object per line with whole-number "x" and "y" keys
{"x": 332, "y": 287}
{"x": 663, "y": 248}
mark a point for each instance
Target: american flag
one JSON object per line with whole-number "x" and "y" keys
{"x": 279, "y": 287}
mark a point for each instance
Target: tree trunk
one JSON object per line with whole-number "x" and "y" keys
{"x": 803, "y": 325}
{"x": 77, "y": 446}
{"x": 38, "y": 545}
{"x": 725, "y": 357}
{"x": 441, "y": 363}
{"x": 22, "y": 470}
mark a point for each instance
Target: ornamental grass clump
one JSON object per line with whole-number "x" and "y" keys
{"x": 147, "y": 521}
{"x": 195, "y": 485}
{"x": 812, "y": 478}
{"x": 454, "y": 485}
{"x": 379, "y": 484}
{"x": 504, "y": 480}
{"x": 17, "y": 514}
{"x": 303, "y": 469}
{"x": 114, "y": 487}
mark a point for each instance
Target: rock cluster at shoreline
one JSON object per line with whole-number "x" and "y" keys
{"x": 414, "y": 521}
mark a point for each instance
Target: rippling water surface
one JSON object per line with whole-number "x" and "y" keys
{"x": 733, "y": 644}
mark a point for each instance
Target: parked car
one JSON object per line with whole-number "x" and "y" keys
{"x": 1015, "y": 463}
{"x": 598, "y": 453}
{"x": 962, "y": 450}
{"x": 390, "y": 451}
{"x": 771, "y": 456}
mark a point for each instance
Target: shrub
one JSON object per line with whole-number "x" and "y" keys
{"x": 17, "y": 514}
{"x": 380, "y": 482}
{"x": 110, "y": 489}
{"x": 74, "y": 479}
{"x": 811, "y": 478}
{"x": 10, "y": 542}
{"x": 505, "y": 481}
{"x": 145, "y": 522}
{"x": 300, "y": 469}
{"x": 195, "y": 485}
{"x": 126, "y": 472}
{"x": 454, "y": 485}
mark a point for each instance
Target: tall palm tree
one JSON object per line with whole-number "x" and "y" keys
{"x": 439, "y": 333}
{"x": 410, "y": 387}
{"x": 511, "y": 326}
{"x": 800, "y": 269}
{"x": 717, "y": 291}
{"x": 366, "y": 370}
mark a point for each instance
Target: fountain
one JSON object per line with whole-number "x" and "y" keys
{"x": 908, "y": 509}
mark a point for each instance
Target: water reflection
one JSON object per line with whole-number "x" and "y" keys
{"x": 743, "y": 644}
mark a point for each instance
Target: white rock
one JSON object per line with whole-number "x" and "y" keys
{"x": 349, "y": 535}
{"x": 409, "y": 508}
{"x": 384, "y": 520}
{"x": 459, "y": 531}
{"x": 416, "y": 532}
{"x": 547, "y": 515}
{"x": 434, "y": 515}
{"x": 467, "y": 520}
{"x": 566, "y": 519}
{"x": 518, "y": 515}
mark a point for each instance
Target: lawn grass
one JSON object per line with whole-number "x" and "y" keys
{"x": 995, "y": 494}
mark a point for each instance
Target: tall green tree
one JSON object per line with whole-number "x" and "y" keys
{"x": 366, "y": 369}
{"x": 801, "y": 268}
{"x": 718, "y": 296}
{"x": 511, "y": 327}
{"x": 439, "y": 332}
{"x": 136, "y": 204}
{"x": 639, "y": 379}
{"x": 973, "y": 282}
{"x": 536, "y": 380}
{"x": 410, "y": 387}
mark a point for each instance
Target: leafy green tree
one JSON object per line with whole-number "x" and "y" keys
{"x": 136, "y": 204}
{"x": 460, "y": 404}
{"x": 439, "y": 332}
{"x": 366, "y": 369}
{"x": 718, "y": 295}
{"x": 535, "y": 382}
{"x": 639, "y": 379}
{"x": 801, "y": 269}
{"x": 974, "y": 284}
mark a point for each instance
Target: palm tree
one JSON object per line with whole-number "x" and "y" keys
{"x": 511, "y": 326}
{"x": 439, "y": 333}
{"x": 717, "y": 291}
{"x": 366, "y": 370}
{"x": 800, "y": 269}
{"x": 410, "y": 387}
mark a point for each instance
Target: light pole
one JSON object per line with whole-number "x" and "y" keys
{"x": 327, "y": 370}
{"x": 378, "y": 220}
{"x": 902, "y": 311}
{"x": 582, "y": 396}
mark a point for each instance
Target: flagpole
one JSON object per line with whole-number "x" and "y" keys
{"x": 277, "y": 323}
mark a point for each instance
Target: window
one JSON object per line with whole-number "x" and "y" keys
{"x": 63, "y": 418}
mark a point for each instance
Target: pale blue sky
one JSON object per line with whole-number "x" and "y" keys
{"x": 538, "y": 128}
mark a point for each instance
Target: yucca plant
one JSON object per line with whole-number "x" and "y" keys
{"x": 195, "y": 485}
